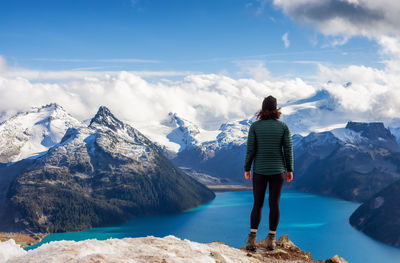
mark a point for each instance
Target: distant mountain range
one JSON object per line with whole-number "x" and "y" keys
{"x": 353, "y": 161}
{"x": 96, "y": 175}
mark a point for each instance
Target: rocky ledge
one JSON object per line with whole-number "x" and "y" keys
{"x": 154, "y": 249}
{"x": 286, "y": 251}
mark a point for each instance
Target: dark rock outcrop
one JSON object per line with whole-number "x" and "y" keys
{"x": 379, "y": 217}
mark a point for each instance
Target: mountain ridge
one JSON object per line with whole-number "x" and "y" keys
{"x": 102, "y": 174}
{"x": 355, "y": 161}
{"x": 351, "y": 163}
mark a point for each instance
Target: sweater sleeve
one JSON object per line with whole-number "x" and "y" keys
{"x": 288, "y": 149}
{"x": 251, "y": 148}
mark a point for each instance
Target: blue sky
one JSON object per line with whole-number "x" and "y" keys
{"x": 209, "y": 36}
{"x": 142, "y": 58}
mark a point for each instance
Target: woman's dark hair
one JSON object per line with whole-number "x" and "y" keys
{"x": 268, "y": 109}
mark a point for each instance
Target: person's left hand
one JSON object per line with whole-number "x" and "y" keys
{"x": 247, "y": 175}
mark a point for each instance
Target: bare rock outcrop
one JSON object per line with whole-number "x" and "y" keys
{"x": 168, "y": 249}
{"x": 286, "y": 251}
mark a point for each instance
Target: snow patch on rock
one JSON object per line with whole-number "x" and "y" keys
{"x": 10, "y": 250}
{"x": 378, "y": 202}
{"x": 347, "y": 135}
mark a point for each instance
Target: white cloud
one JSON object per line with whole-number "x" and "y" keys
{"x": 209, "y": 99}
{"x": 285, "y": 39}
{"x": 390, "y": 46}
{"x": 253, "y": 68}
{"x": 372, "y": 94}
{"x": 368, "y": 18}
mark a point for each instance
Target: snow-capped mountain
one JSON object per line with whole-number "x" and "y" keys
{"x": 108, "y": 133}
{"x": 27, "y": 135}
{"x": 356, "y": 135}
{"x": 352, "y": 163}
{"x": 333, "y": 155}
{"x": 231, "y": 134}
{"x": 189, "y": 135}
{"x": 30, "y": 134}
{"x": 105, "y": 173}
{"x": 177, "y": 134}
{"x": 187, "y": 145}
{"x": 182, "y": 132}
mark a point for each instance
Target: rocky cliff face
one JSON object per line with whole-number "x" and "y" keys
{"x": 379, "y": 217}
{"x": 154, "y": 249}
{"x": 98, "y": 175}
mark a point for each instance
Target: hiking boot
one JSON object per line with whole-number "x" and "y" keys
{"x": 269, "y": 242}
{"x": 251, "y": 242}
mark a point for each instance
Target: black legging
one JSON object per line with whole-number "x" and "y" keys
{"x": 260, "y": 182}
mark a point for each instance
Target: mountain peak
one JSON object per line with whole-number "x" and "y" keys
{"x": 370, "y": 129}
{"x": 176, "y": 121}
{"x": 53, "y": 105}
{"x": 103, "y": 110}
{"x": 362, "y": 126}
{"x": 48, "y": 107}
{"x": 31, "y": 133}
{"x": 104, "y": 117}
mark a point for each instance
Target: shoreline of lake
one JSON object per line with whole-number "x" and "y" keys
{"x": 23, "y": 239}
{"x": 315, "y": 223}
{"x": 229, "y": 187}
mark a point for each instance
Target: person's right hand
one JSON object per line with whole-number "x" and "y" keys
{"x": 289, "y": 176}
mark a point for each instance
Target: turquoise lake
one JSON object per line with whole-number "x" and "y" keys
{"x": 315, "y": 223}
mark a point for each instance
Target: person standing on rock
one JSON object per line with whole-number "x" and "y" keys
{"x": 269, "y": 144}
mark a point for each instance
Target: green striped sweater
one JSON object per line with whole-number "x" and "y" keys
{"x": 269, "y": 144}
